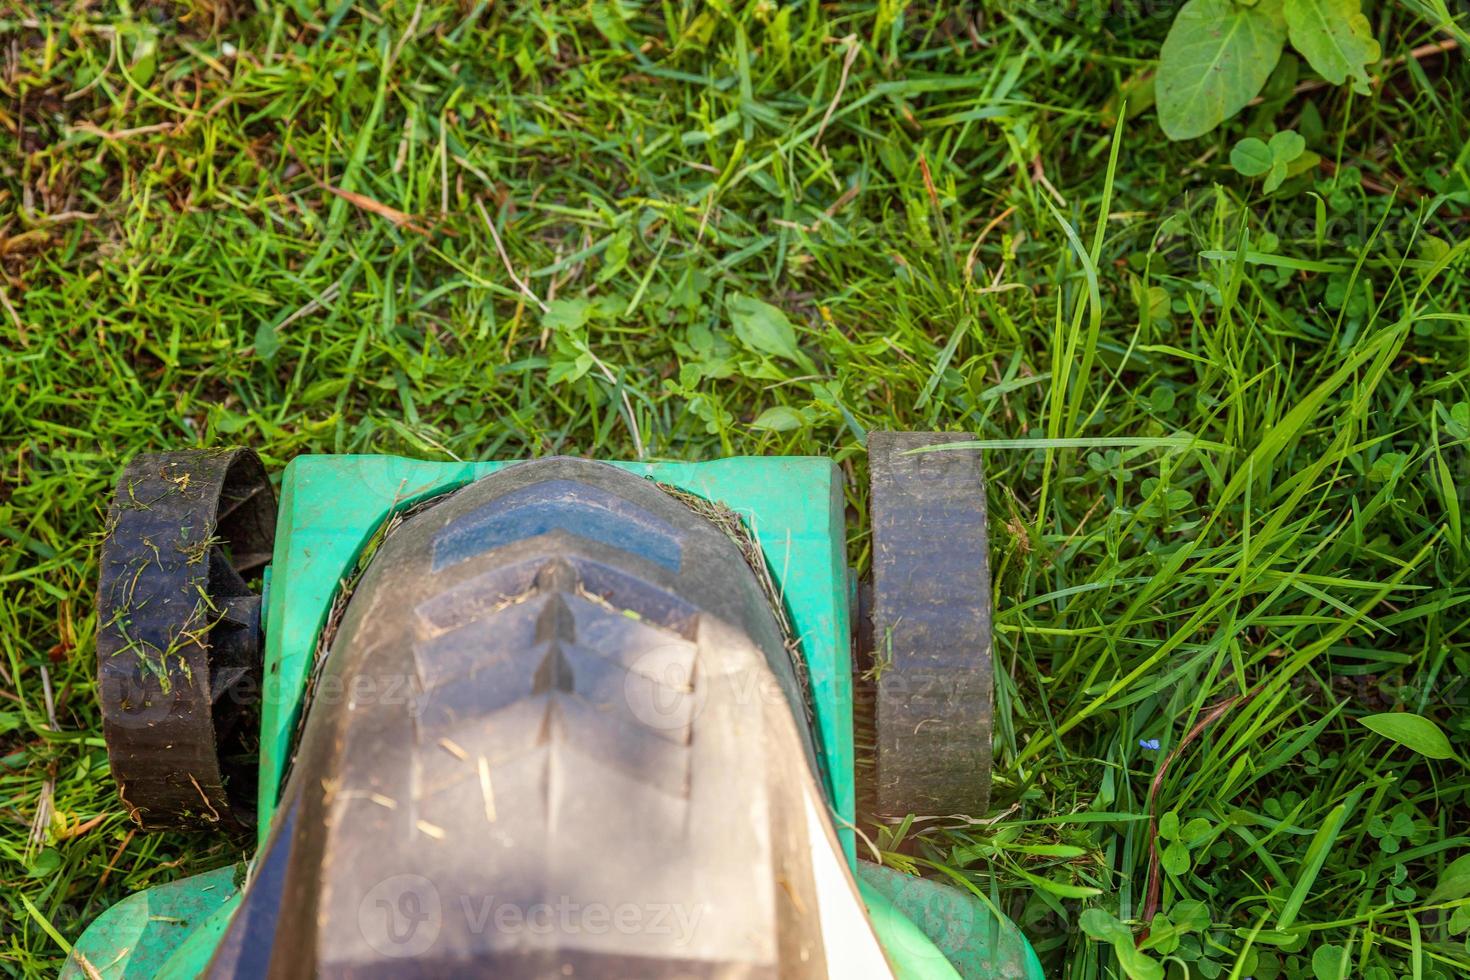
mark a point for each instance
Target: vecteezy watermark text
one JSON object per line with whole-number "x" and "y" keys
{"x": 403, "y": 916}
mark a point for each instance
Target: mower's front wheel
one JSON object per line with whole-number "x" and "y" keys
{"x": 927, "y": 645}
{"x": 179, "y": 642}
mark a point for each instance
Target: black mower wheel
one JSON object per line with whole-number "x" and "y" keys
{"x": 927, "y": 639}
{"x": 179, "y": 642}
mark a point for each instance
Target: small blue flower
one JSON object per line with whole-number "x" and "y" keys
{"x": 1152, "y": 744}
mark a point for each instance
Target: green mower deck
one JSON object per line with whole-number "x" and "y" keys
{"x": 165, "y": 659}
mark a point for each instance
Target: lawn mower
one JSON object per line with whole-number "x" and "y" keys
{"x": 554, "y": 718}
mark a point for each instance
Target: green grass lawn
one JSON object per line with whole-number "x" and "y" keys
{"x": 1230, "y": 471}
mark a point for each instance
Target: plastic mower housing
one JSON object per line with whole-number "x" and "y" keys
{"x": 544, "y": 719}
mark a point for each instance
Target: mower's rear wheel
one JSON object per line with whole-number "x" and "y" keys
{"x": 928, "y": 638}
{"x": 179, "y": 643}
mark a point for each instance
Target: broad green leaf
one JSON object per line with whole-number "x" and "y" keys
{"x": 609, "y": 21}
{"x": 1454, "y": 882}
{"x": 1137, "y": 965}
{"x": 1103, "y": 927}
{"x": 615, "y": 257}
{"x": 780, "y": 418}
{"x": 1335, "y": 38}
{"x": 570, "y": 370}
{"x": 1176, "y": 859}
{"x": 267, "y": 344}
{"x": 1307, "y": 161}
{"x": 1195, "y": 832}
{"x": 1275, "y": 177}
{"x": 1190, "y": 915}
{"x": 566, "y": 315}
{"x": 45, "y": 863}
{"x": 1106, "y": 928}
{"x": 1216, "y": 58}
{"x": 145, "y": 59}
{"x": 1163, "y": 936}
{"x": 1330, "y": 962}
{"x": 1286, "y": 146}
{"x": 1251, "y": 157}
{"x": 1154, "y": 299}
{"x": 762, "y": 327}
{"x": 1412, "y": 731}
{"x": 1169, "y": 826}
{"x": 1254, "y": 157}
{"x": 1459, "y": 422}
